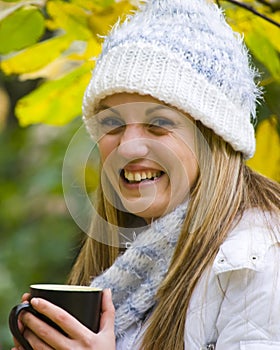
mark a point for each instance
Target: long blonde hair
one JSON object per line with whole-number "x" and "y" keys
{"x": 224, "y": 189}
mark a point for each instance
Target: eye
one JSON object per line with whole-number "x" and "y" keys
{"x": 111, "y": 125}
{"x": 162, "y": 122}
{"x": 160, "y": 125}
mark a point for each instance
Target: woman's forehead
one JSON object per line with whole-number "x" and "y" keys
{"x": 125, "y": 97}
{"x": 134, "y": 103}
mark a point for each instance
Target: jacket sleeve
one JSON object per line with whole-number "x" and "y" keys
{"x": 249, "y": 317}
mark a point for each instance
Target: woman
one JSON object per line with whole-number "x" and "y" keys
{"x": 170, "y": 105}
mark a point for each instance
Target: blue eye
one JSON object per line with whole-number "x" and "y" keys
{"x": 111, "y": 122}
{"x": 160, "y": 125}
{"x": 162, "y": 122}
{"x": 111, "y": 125}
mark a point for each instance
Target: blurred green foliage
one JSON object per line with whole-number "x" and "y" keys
{"x": 38, "y": 236}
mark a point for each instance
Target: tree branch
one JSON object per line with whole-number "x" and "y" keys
{"x": 255, "y": 12}
{"x": 272, "y": 6}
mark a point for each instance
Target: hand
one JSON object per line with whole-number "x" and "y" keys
{"x": 44, "y": 337}
{"x": 25, "y": 298}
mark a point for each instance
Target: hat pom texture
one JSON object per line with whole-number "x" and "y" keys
{"x": 183, "y": 53}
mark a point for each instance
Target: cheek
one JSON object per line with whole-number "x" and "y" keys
{"x": 106, "y": 147}
{"x": 191, "y": 168}
{"x": 188, "y": 158}
{"x": 187, "y": 170}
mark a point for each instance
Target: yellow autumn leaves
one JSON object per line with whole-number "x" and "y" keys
{"x": 63, "y": 61}
{"x": 55, "y": 41}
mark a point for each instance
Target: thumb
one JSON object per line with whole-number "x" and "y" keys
{"x": 108, "y": 312}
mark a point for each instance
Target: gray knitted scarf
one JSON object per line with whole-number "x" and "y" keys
{"x": 136, "y": 275}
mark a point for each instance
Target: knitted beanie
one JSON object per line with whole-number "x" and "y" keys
{"x": 183, "y": 53}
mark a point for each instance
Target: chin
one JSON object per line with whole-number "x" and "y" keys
{"x": 144, "y": 210}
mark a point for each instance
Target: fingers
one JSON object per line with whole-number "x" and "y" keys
{"x": 40, "y": 335}
{"x": 108, "y": 311}
{"x": 21, "y": 329}
{"x": 25, "y": 297}
{"x": 16, "y": 343}
{"x": 44, "y": 337}
{"x": 35, "y": 341}
{"x": 69, "y": 324}
{"x": 25, "y": 321}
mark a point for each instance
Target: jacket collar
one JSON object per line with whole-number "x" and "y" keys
{"x": 248, "y": 242}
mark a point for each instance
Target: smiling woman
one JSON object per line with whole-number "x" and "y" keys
{"x": 190, "y": 235}
{"x": 147, "y": 153}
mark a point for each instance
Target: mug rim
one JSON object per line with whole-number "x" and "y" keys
{"x": 64, "y": 287}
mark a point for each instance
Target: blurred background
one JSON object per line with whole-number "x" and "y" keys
{"x": 38, "y": 236}
{"x": 46, "y": 50}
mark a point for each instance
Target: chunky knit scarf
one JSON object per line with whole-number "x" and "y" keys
{"x": 136, "y": 275}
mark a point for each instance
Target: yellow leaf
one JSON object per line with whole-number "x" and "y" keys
{"x": 36, "y": 56}
{"x": 239, "y": 19}
{"x": 102, "y": 19}
{"x": 260, "y": 36}
{"x": 55, "y": 102}
{"x": 267, "y": 158}
{"x": 69, "y": 17}
{"x": 54, "y": 70}
{"x": 272, "y": 32}
{"x": 93, "y": 49}
{"x": 69, "y": 60}
{"x": 86, "y": 4}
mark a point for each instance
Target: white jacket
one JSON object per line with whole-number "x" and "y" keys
{"x": 236, "y": 304}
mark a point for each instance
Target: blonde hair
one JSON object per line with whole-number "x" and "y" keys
{"x": 224, "y": 189}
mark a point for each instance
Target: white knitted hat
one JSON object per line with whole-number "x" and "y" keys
{"x": 183, "y": 53}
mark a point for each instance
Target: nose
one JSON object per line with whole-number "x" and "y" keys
{"x": 133, "y": 143}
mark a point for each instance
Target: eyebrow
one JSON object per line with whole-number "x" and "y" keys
{"x": 151, "y": 110}
{"x": 103, "y": 107}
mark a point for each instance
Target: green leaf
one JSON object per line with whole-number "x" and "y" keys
{"x": 36, "y": 56}
{"x": 20, "y": 29}
{"x": 7, "y": 7}
{"x": 264, "y": 51}
{"x": 272, "y": 97}
{"x": 55, "y": 102}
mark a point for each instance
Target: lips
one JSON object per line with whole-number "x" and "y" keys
{"x": 133, "y": 177}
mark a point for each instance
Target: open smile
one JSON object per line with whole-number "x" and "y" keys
{"x": 135, "y": 177}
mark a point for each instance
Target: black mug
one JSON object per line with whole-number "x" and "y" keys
{"x": 82, "y": 302}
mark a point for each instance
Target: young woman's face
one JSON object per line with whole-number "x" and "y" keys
{"x": 147, "y": 153}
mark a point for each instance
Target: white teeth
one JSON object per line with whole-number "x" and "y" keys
{"x": 137, "y": 176}
{"x": 129, "y": 176}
